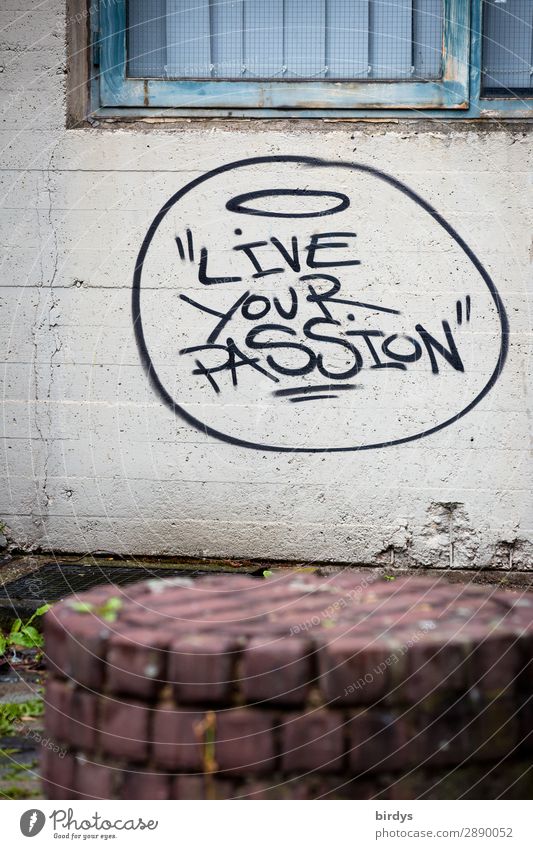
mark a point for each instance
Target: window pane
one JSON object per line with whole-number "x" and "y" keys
{"x": 507, "y": 47}
{"x": 427, "y": 38}
{"x": 147, "y": 39}
{"x": 285, "y": 39}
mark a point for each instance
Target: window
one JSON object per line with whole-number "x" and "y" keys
{"x": 285, "y": 39}
{"x": 315, "y": 57}
{"x": 508, "y": 48}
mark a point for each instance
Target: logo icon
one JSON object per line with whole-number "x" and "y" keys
{"x": 32, "y": 822}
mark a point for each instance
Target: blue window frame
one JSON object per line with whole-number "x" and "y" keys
{"x": 166, "y": 78}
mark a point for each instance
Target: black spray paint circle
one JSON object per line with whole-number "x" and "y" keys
{"x": 178, "y": 410}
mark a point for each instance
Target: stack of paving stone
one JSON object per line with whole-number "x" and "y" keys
{"x": 293, "y": 686}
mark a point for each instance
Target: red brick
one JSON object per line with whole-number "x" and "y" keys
{"x": 57, "y": 701}
{"x": 209, "y": 787}
{"x": 188, "y": 787}
{"x": 494, "y": 731}
{"x": 312, "y": 742}
{"x": 510, "y": 780}
{"x": 383, "y": 740}
{"x": 303, "y": 788}
{"x": 378, "y": 741}
{"x": 94, "y": 780}
{"x": 57, "y": 775}
{"x": 525, "y": 713}
{"x": 178, "y": 739}
{"x": 395, "y": 740}
{"x": 244, "y": 741}
{"x": 145, "y": 785}
{"x": 277, "y": 671}
{"x": 136, "y": 663}
{"x": 354, "y": 670}
{"x": 201, "y": 668}
{"x": 70, "y": 714}
{"x": 496, "y": 663}
{"x": 83, "y": 726}
{"x": 429, "y": 666}
{"x": 85, "y": 648}
{"x": 124, "y": 728}
{"x": 524, "y": 681}
{"x": 55, "y": 644}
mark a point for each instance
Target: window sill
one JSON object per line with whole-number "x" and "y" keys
{"x": 489, "y": 112}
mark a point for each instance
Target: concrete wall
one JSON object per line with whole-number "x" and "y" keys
{"x": 98, "y": 457}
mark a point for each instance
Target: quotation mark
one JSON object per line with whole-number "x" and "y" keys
{"x": 190, "y": 246}
{"x": 459, "y": 308}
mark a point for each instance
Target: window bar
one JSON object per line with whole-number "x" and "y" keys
{"x": 531, "y": 58}
{"x": 326, "y": 38}
{"x": 284, "y": 39}
{"x": 164, "y": 38}
{"x": 413, "y": 38}
{"x": 211, "y": 39}
{"x": 243, "y": 38}
{"x": 369, "y": 46}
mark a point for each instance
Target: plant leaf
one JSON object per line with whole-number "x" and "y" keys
{"x": 16, "y": 626}
{"x": 113, "y": 603}
{"x": 3, "y": 644}
{"x": 109, "y": 616}
{"x": 39, "y": 612}
{"x": 109, "y": 610}
{"x": 11, "y": 713}
{"x": 81, "y": 606}
{"x": 21, "y": 639}
{"x": 33, "y": 634}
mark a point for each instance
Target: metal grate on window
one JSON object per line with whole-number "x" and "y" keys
{"x": 508, "y": 47}
{"x": 285, "y": 39}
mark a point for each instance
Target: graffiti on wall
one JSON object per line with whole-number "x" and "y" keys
{"x": 291, "y": 304}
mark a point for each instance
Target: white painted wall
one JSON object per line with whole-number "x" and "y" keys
{"x": 93, "y": 460}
